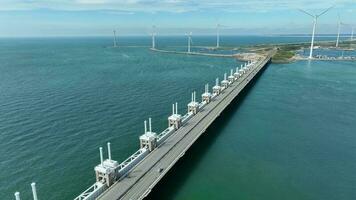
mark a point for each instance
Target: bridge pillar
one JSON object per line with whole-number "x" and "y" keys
{"x": 105, "y": 171}
{"x": 237, "y": 74}
{"x": 149, "y": 138}
{"x": 34, "y": 191}
{"x": 231, "y": 78}
{"x": 216, "y": 88}
{"x": 225, "y": 83}
{"x": 242, "y": 71}
{"x": 193, "y": 106}
{"x": 175, "y": 119}
{"x": 206, "y": 96}
{"x": 246, "y": 67}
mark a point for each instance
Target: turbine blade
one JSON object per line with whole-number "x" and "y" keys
{"x": 305, "y": 12}
{"x": 325, "y": 11}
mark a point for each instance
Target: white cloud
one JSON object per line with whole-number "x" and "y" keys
{"x": 172, "y": 5}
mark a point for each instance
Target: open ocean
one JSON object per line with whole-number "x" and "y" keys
{"x": 292, "y": 135}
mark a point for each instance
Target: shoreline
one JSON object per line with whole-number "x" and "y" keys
{"x": 287, "y": 53}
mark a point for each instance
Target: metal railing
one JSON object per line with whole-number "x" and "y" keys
{"x": 92, "y": 192}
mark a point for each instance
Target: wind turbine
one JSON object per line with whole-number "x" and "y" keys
{"x": 154, "y": 37}
{"x": 189, "y": 41}
{"x": 339, "y": 28}
{"x": 352, "y": 26}
{"x": 218, "y": 28}
{"x": 315, "y": 21}
{"x": 115, "y": 42}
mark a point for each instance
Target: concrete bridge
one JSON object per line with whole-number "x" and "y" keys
{"x": 135, "y": 177}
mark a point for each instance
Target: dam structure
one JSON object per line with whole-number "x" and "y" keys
{"x": 136, "y": 176}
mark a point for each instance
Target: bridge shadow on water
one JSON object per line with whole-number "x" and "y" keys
{"x": 179, "y": 173}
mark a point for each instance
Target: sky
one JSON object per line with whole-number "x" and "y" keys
{"x": 41, "y": 18}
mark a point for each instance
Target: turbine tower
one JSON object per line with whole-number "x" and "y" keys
{"x": 154, "y": 37}
{"x": 218, "y": 35}
{"x": 115, "y": 42}
{"x": 315, "y": 21}
{"x": 352, "y": 26}
{"x": 338, "y": 30}
{"x": 189, "y": 41}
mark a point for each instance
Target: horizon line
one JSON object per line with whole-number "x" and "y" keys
{"x": 181, "y": 35}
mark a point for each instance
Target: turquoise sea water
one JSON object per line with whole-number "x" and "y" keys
{"x": 290, "y": 136}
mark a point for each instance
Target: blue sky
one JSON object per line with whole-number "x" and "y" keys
{"x": 136, "y": 17}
